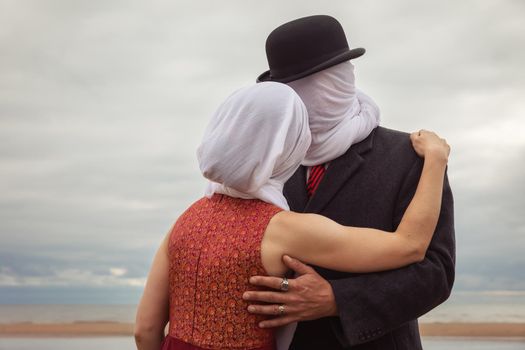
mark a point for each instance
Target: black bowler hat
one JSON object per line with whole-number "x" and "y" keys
{"x": 305, "y": 46}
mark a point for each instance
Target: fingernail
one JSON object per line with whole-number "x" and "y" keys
{"x": 261, "y": 325}
{"x": 246, "y": 295}
{"x": 251, "y": 308}
{"x": 252, "y": 279}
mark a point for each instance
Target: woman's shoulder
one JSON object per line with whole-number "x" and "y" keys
{"x": 197, "y": 208}
{"x": 200, "y": 203}
{"x": 219, "y": 205}
{"x": 246, "y": 207}
{"x": 268, "y": 207}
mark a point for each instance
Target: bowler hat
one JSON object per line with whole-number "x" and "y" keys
{"x": 305, "y": 46}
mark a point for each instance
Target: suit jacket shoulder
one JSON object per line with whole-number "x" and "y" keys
{"x": 393, "y": 141}
{"x": 387, "y": 149}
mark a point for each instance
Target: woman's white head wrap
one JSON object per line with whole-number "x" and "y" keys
{"x": 339, "y": 114}
{"x": 254, "y": 143}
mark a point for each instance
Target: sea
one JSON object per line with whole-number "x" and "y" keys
{"x": 118, "y": 343}
{"x": 461, "y": 307}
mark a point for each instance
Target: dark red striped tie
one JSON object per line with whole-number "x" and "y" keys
{"x": 316, "y": 175}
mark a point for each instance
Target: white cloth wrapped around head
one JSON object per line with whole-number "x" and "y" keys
{"x": 254, "y": 143}
{"x": 339, "y": 114}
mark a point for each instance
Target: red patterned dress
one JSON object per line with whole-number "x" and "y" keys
{"x": 214, "y": 248}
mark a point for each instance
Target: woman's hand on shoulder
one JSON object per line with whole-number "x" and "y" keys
{"x": 429, "y": 145}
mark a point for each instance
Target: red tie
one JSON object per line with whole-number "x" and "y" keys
{"x": 316, "y": 175}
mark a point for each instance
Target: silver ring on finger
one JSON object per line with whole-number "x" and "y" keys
{"x": 281, "y": 310}
{"x": 285, "y": 285}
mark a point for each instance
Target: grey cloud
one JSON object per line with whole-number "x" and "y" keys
{"x": 103, "y": 103}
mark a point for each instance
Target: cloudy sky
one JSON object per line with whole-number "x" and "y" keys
{"x": 102, "y": 105}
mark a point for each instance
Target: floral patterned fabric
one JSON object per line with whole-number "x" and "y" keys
{"x": 214, "y": 247}
{"x": 170, "y": 343}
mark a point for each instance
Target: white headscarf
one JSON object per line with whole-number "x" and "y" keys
{"x": 254, "y": 143}
{"x": 339, "y": 115}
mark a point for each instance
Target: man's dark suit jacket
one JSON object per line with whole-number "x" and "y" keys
{"x": 371, "y": 185}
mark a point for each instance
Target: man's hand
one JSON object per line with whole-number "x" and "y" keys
{"x": 309, "y": 296}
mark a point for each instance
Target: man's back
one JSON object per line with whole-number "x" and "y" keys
{"x": 371, "y": 186}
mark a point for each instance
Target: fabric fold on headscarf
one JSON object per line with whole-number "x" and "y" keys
{"x": 254, "y": 143}
{"x": 339, "y": 114}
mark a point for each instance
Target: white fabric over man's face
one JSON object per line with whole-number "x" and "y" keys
{"x": 254, "y": 143}
{"x": 339, "y": 114}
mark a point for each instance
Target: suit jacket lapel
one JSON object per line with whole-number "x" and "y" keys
{"x": 295, "y": 190}
{"x": 339, "y": 171}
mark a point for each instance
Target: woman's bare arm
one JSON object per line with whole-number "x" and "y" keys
{"x": 153, "y": 310}
{"x": 320, "y": 241}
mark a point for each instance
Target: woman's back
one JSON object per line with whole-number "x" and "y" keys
{"x": 214, "y": 248}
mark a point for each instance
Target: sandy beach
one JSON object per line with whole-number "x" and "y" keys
{"x": 83, "y": 329}
{"x": 76, "y": 329}
{"x": 457, "y": 329}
